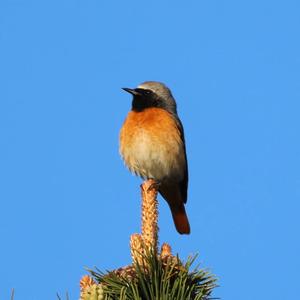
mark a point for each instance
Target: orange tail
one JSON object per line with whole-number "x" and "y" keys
{"x": 181, "y": 220}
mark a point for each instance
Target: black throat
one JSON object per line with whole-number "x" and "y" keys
{"x": 144, "y": 99}
{"x": 139, "y": 103}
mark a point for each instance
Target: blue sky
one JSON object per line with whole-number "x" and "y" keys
{"x": 68, "y": 202}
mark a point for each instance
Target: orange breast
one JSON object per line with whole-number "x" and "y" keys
{"x": 151, "y": 144}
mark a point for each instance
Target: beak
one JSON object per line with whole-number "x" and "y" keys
{"x": 130, "y": 91}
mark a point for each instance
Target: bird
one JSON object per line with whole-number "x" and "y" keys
{"x": 152, "y": 145}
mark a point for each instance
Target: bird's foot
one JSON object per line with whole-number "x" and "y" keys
{"x": 150, "y": 184}
{"x": 154, "y": 185}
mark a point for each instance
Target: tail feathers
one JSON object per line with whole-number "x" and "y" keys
{"x": 180, "y": 220}
{"x": 174, "y": 197}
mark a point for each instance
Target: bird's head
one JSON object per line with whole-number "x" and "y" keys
{"x": 152, "y": 94}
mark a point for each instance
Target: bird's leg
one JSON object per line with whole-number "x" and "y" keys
{"x": 150, "y": 184}
{"x": 155, "y": 184}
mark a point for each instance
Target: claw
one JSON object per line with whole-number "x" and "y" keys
{"x": 154, "y": 185}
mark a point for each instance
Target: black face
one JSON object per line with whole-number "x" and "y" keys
{"x": 143, "y": 98}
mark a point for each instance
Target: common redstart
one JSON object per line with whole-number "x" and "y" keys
{"x": 152, "y": 145}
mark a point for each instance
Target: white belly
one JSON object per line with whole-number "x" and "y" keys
{"x": 153, "y": 158}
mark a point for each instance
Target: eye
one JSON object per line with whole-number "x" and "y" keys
{"x": 148, "y": 92}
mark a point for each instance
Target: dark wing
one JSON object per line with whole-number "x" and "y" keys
{"x": 184, "y": 183}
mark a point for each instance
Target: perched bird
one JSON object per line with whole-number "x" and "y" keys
{"x": 153, "y": 147}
